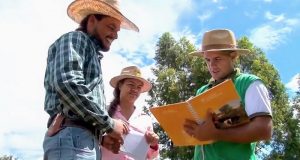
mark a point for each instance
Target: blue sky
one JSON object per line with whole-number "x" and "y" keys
{"x": 29, "y": 27}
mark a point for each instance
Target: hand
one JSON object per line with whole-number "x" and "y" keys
{"x": 151, "y": 138}
{"x": 120, "y": 128}
{"x": 203, "y": 132}
{"x": 111, "y": 144}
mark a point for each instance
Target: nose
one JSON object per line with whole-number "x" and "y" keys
{"x": 115, "y": 35}
{"x": 212, "y": 63}
{"x": 135, "y": 89}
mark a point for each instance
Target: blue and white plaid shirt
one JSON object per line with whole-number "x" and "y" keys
{"x": 73, "y": 80}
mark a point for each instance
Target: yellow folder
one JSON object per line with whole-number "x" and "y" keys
{"x": 222, "y": 99}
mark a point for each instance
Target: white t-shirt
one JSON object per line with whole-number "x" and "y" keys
{"x": 257, "y": 100}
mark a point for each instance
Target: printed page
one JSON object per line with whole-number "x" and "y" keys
{"x": 135, "y": 145}
{"x": 171, "y": 118}
{"x": 225, "y": 104}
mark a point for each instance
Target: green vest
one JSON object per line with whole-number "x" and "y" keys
{"x": 221, "y": 150}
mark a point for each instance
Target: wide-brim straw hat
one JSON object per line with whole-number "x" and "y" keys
{"x": 219, "y": 40}
{"x": 131, "y": 72}
{"x": 79, "y": 9}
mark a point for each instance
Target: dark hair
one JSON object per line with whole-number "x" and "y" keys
{"x": 83, "y": 24}
{"x": 112, "y": 108}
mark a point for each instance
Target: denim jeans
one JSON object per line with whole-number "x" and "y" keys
{"x": 72, "y": 143}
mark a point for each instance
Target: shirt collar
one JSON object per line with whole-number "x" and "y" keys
{"x": 212, "y": 82}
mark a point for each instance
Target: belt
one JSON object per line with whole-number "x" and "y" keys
{"x": 84, "y": 125}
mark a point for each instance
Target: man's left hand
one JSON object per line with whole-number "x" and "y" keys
{"x": 203, "y": 132}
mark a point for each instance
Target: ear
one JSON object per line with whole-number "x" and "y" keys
{"x": 91, "y": 22}
{"x": 234, "y": 55}
{"x": 119, "y": 85}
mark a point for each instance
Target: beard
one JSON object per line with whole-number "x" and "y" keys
{"x": 103, "y": 47}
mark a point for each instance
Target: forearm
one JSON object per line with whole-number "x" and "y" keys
{"x": 259, "y": 128}
{"x": 82, "y": 105}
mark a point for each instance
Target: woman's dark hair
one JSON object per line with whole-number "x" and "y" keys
{"x": 83, "y": 24}
{"x": 112, "y": 108}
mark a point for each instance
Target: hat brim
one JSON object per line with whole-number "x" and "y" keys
{"x": 200, "y": 53}
{"x": 79, "y": 9}
{"x": 146, "y": 84}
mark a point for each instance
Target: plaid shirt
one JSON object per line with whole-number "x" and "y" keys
{"x": 73, "y": 80}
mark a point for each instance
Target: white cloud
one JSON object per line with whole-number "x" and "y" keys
{"x": 267, "y": 37}
{"x": 292, "y": 21}
{"x": 205, "y": 16}
{"x": 294, "y": 84}
{"x": 274, "y": 32}
{"x": 268, "y": 1}
{"x": 222, "y": 7}
{"x": 275, "y": 18}
{"x": 152, "y": 23}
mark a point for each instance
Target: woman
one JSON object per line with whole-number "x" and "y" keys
{"x": 128, "y": 87}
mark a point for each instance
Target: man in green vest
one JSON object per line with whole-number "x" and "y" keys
{"x": 237, "y": 143}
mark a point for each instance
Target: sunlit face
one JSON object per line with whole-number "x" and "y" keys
{"x": 219, "y": 64}
{"x": 105, "y": 30}
{"x": 130, "y": 89}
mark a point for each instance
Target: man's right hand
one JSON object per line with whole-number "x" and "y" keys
{"x": 111, "y": 144}
{"x": 120, "y": 128}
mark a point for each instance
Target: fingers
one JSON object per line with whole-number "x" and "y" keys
{"x": 190, "y": 127}
{"x": 151, "y": 138}
{"x": 111, "y": 144}
{"x": 126, "y": 127}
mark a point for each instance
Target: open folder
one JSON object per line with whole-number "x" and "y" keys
{"x": 222, "y": 99}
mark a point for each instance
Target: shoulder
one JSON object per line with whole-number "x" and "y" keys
{"x": 74, "y": 36}
{"x": 247, "y": 77}
{"x": 257, "y": 85}
{"x": 74, "y": 39}
{"x": 243, "y": 81}
{"x": 202, "y": 89}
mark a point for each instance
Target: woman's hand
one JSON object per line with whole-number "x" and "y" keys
{"x": 151, "y": 138}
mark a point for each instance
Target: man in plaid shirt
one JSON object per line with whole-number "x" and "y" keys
{"x": 74, "y": 87}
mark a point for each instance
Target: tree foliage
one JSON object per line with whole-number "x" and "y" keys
{"x": 178, "y": 76}
{"x": 6, "y": 157}
{"x": 291, "y": 142}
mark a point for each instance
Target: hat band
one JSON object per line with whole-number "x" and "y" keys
{"x": 132, "y": 73}
{"x": 218, "y": 46}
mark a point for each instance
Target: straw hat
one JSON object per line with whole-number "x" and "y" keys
{"x": 218, "y": 40}
{"x": 131, "y": 72}
{"x": 79, "y": 9}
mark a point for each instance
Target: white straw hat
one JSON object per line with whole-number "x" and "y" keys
{"x": 131, "y": 72}
{"x": 219, "y": 40}
{"x": 79, "y": 9}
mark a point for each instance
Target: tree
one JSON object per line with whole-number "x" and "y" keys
{"x": 178, "y": 76}
{"x": 175, "y": 82}
{"x": 292, "y": 146}
{"x": 5, "y": 157}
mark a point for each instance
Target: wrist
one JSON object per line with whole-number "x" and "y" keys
{"x": 110, "y": 126}
{"x": 217, "y": 134}
{"x": 154, "y": 147}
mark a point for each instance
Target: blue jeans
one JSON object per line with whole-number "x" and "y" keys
{"x": 71, "y": 143}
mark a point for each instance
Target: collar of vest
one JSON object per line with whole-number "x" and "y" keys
{"x": 235, "y": 73}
